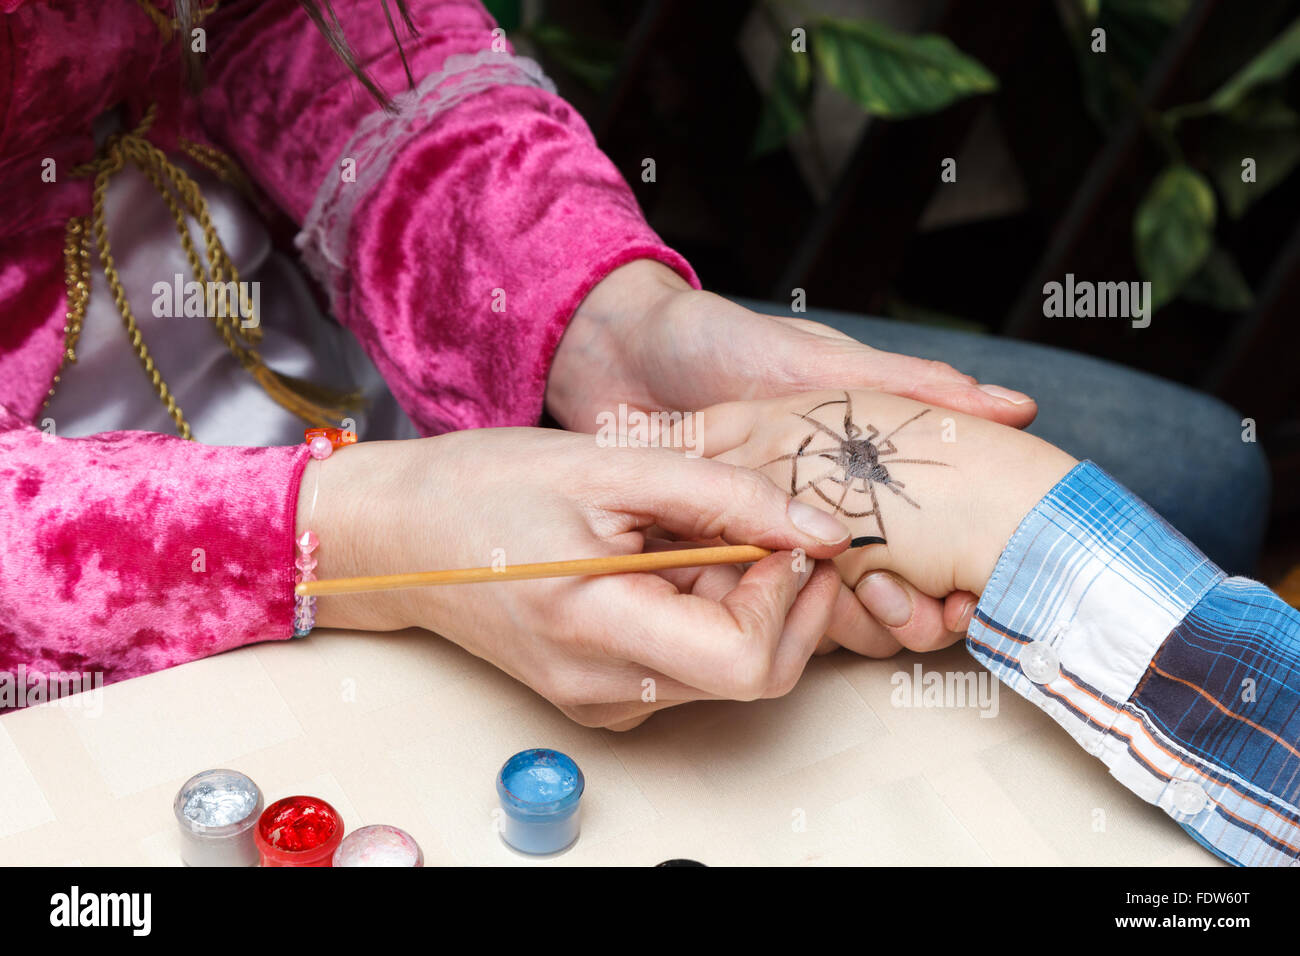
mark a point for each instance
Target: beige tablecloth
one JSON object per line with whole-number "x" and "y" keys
{"x": 407, "y": 729}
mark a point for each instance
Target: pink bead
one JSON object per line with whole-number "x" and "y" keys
{"x": 308, "y": 542}
{"x": 321, "y": 447}
{"x": 304, "y": 576}
{"x": 305, "y": 562}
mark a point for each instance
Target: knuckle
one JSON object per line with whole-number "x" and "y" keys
{"x": 749, "y": 492}
{"x": 941, "y": 370}
{"x": 750, "y": 620}
{"x": 891, "y": 651}
{"x": 781, "y": 680}
{"x": 784, "y": 683}
{"x": 751, "y": 675}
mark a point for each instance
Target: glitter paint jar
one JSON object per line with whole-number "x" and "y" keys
{"x": 217, "y": 811}
{"x": 298, "y": 831}
{"x": 379, "y": 845}
{"x": 541, "y": 794}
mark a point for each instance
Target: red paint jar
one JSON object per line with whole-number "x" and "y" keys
{"x": 298, "y": 831}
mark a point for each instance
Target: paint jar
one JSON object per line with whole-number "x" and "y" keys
{"x": 217, "y": 811}
{"x": 378, "y": 845}
{"x": 541, "y": 794}
{"x": 298, "y": 831}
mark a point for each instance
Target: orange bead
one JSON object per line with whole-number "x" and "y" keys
{"x": 337, "y": 437}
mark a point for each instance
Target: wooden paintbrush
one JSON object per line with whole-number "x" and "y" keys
{"x": 620, "y": 564}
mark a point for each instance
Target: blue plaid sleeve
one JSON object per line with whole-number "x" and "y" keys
{"x": 1184, "y": 682}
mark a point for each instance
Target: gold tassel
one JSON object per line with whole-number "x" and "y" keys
{"x": 292, "y": 393}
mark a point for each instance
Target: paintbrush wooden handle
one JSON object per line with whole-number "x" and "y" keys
{"x": 621, "y": 564}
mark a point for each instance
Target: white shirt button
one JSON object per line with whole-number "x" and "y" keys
{"x": 1040, "y": 662}
{"x": 1188, "y": 797}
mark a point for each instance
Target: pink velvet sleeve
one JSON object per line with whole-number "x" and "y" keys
{"x": 457, "y": 235}
{"x": 128, "y": 552}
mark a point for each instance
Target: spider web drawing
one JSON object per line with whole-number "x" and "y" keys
{"x": 854, "y": 463}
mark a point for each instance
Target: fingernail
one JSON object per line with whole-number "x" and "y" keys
{"x": 886, "y": 599}
{"x": 963, "y": 619}
{"x": 1006, "y": 394}
{"x": 816, "y": 523}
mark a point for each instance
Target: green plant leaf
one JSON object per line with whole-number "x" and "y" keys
{"x": 893, "y": 74}
{"x": 786, "y": 108}
{"x": 1271, "y": 63}
{"x": 1219, "y": 283}
{"x": 1267, "y": 111}
{"x": 593, "y": 62}
{"x": 1267, "y": 131}
{"x": 1099, "y": 75}
{"x": 1136, "y": 30}
{"x": 1173, "y": 230}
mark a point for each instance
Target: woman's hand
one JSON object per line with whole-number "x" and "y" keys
{"x": 645, "y": 338}
{"x": 946, "y": 491}
{"x": 607, "y": 650}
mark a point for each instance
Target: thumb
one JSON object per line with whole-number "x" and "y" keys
{"x": 914, "y": 619}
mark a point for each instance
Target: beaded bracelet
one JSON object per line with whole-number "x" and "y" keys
{"x": 321, "y": 443}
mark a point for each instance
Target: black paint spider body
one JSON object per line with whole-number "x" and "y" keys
{"x": 855, "y": 458}
{"x": 860, "y": 458}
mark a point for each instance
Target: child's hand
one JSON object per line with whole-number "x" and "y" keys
{"x": 934, "y": 493}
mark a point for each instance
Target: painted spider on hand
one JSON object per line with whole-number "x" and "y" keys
{"x": 854, "y": 457}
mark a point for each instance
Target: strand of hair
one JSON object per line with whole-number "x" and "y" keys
{"x": 333, "y": 33}
{"x": 392, "y": 28}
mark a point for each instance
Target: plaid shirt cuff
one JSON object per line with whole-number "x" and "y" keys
{"x": 1186, "y": 684}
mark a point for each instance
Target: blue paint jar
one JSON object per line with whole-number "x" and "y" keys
{"x": 541, "y": 793}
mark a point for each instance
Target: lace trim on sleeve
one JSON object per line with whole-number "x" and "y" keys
{"x": 381, "y": 136}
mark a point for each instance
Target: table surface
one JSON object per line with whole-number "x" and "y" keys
{"x": 410, "y": 730}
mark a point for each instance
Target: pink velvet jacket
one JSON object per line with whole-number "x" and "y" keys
{"x": 482, "y": 180}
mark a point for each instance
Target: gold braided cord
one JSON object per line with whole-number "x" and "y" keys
{"x": 168, "y": 26}
{"x": 181, "y": 194}
{"x": 113, "y": 161}
{"x": 219, "y": 164}
{"x": 314, "y": 404}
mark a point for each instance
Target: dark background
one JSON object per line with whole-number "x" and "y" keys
{"x": 1052, "y": 169}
